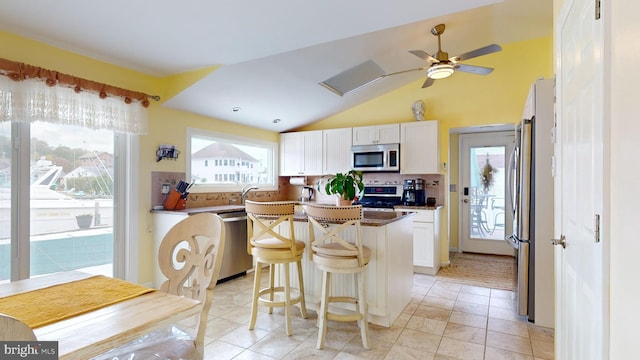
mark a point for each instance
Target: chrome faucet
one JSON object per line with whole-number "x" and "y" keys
{"x": 245, "y": 190}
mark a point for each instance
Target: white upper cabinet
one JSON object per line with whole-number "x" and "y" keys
{"x": 301, "y": 153}
{"x": 419, "y": 148}
{"x": 337, "y": 150}
{"x": 378, "y": 134}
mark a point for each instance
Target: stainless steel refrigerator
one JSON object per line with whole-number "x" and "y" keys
{"x": 530, "y": 188}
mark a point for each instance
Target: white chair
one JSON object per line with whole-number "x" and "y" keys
{"x": 12, "y": 329}
{"x": 498, "y": 206}
{"x": 268, "y": 246}
{"x": 190, "y": 255}
{"x": 331, "y": 253}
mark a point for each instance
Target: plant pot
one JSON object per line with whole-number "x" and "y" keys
{"x": 84, "y": 221}
{"x": 340, "y": 201}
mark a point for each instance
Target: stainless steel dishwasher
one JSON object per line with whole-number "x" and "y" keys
{"x": 235, "y": 259}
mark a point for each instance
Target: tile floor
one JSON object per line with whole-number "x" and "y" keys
{"x": 444, "y": 320}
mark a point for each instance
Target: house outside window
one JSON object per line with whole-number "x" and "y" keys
{"x": 242, "y": 161}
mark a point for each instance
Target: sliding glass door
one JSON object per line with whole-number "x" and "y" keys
{"x": 57, "y": 200}
{"x": 5, "y": 201}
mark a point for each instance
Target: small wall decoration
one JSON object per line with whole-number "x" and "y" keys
{"x": 167, "y": 152}
{"x": 418, "y": 109}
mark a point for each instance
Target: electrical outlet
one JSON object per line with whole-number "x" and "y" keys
{"x": 166, "y": 188}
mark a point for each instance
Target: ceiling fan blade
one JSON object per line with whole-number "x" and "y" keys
{"x": 477, "y": 52}
{"x": 423, "y": 55}
{"x": 474, "y": 69}
{"x": 403, "y": 71}
{"x": 428, "y": 83}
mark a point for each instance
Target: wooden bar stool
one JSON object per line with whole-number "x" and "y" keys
{"x": 268, "y": 246}
{"x": 331, "y": 253}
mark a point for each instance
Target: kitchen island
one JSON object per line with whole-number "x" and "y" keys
{"x": 389, "y": 276}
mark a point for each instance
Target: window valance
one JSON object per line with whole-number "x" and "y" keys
{"x": 30, "y": 94}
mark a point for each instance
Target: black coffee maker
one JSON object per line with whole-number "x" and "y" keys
{"x": 413, "y": 192}
{"x": 420, "y": 192}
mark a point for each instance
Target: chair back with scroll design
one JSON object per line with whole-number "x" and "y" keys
{"x": 190, "y": 256}
{"x": 12, "y": 329}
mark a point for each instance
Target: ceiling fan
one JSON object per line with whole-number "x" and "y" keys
{"x": 442, "y": 66}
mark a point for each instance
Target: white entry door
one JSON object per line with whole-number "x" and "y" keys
{"x": 579, "y": 280}
{"x": 485, "y": 211}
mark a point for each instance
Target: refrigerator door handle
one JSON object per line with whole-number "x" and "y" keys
{"x": 510, "y": 181}
{"x": 524, "y": 180}
{"x": 513, "y": 241}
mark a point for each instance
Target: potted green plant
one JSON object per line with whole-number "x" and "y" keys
{"x": 347, "y": 186}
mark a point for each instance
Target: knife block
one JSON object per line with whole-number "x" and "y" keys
{"x": 174, "y": 201}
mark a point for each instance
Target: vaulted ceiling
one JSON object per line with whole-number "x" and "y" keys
{"x": 273, "y": 55}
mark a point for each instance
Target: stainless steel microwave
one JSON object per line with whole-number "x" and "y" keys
{"x": 379, "y": 157}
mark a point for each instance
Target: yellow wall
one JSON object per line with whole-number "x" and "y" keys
{"x": 463, "y": 100}
{"x": 166, "y": 126}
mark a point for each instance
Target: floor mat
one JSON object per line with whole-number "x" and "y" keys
{"x": 492, "y": 271}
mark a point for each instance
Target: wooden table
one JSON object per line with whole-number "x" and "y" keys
{"x": 95, "y": 332}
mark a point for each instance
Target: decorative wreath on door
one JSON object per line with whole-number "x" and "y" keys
{"x": 487, "y": 175}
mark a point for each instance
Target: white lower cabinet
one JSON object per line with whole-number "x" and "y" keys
{"x": 162, "y": 223}
{"x": 426, "y": 242}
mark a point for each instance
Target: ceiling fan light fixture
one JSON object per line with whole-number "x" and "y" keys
{"x": 439, "y": 71}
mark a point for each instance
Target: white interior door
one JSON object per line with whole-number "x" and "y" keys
{"x": 485, "y": 211}
{"x": 580, "y": 313}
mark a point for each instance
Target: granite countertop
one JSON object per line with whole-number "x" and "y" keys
{"x": 404, "y": 207}
{"x": 212, "y": 209}
{"x": 370, "y": 218}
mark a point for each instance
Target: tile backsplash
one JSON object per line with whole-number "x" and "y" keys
{"x": 286, "y": 191}
{"x": 231, "y": 198}
{"x": 163, "y": 177}
{"x": 434, "y": 185}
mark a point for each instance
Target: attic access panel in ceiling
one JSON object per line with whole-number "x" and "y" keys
{"x": 354, "y": 78}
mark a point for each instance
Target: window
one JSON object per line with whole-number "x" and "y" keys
{"x": 239, "y": 161}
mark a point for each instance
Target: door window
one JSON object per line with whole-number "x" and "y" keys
{"x": 487, "y": 193}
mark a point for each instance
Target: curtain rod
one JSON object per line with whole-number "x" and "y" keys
{"x": 19, "y": 71}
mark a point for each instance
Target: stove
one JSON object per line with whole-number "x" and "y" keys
{"x": 382, "y": 197}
